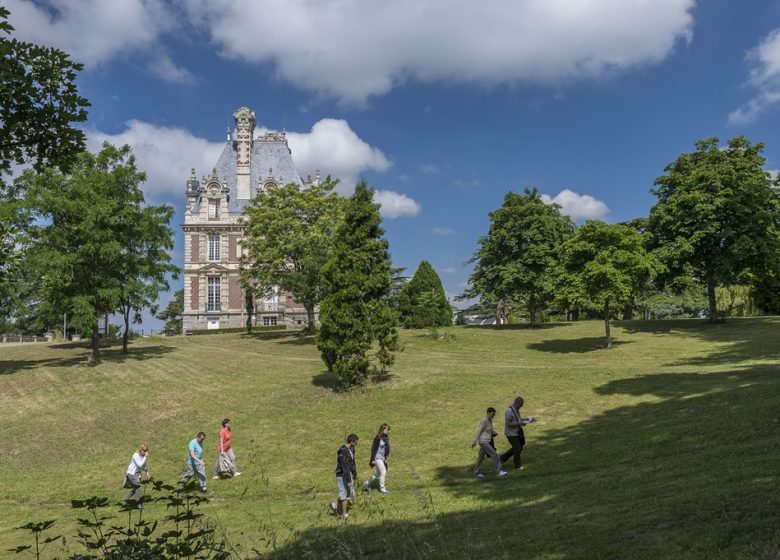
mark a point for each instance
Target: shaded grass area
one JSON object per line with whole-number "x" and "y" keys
{"x": 664, "y": 446}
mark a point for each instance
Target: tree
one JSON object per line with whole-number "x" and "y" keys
{"x": 173, "y": 313}
{"x": 84, "y": 251}
{"x": 601, "y": 266}
{"x": 718, "y": 213}
{"x": 289, "y": 234}
{"x": 515, "y": 260}
{"x": 433, "y": 310}
{"x": 39, "y": 103}
{"x": 357, "y": 336}
{"x": 147, "y": 259}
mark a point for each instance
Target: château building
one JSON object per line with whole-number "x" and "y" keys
{"x": 213, "y": 296}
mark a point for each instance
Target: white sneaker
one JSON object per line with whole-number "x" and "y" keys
{"x": 237, "y": 473}
{"x": 502, "y": 473}
{"x": 215, "y": 477}
{"x": 383, "y": 490}
{"x": 480, "y": 475}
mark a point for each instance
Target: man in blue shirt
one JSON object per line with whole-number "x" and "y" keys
{"x": 195, "y": 462}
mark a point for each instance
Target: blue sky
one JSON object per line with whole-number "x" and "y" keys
{"x": 443, "y": 106}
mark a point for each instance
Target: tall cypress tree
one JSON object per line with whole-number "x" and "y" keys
{"x": 357, "y": 336}
{"x": 423, "y": 301}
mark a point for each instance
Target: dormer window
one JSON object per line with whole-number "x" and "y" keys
{"x": 214, "y": 208}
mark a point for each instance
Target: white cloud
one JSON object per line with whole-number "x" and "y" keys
{"x": 352, "y": 49}
{"x": 335, "y": 149}
{"x": 166, "y": 154}
{"x": 448, "y": 270}
{"x": 443, "y": 231}
{"x": 167, "y": 70}
{"x": 428, "y": 168}
{"x": 578, "y": 206}
{"x": 396, "y": 205}
{"x": 764, "y": 77}
{"x": 91, "y": 31}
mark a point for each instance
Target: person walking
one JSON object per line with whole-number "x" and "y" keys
{"x": 513, "y": 430}
{"x": 138, "y": 463}
{"x": 226, "y": 459}
{"x": 380, "y": 451}
{"x": 484, "y": 438}
{"x": 195, "y": 463}
{"x": 346, "y": 474}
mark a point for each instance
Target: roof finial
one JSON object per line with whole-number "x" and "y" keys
{"x": 228, "y": 132}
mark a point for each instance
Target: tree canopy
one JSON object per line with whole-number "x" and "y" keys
{"x": 423, "y": 301}
{"x": 39, "y": 104}
{"x": 515, "y": 260}
{"x": 89, "y": 251}
{"x": 601, "y": 266}
{"x": 357, "y": 336}
{"x": 719, "y": 214}
{"x": 289, "y": 236}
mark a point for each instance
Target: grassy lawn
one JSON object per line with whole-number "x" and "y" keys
{"x": 665, "y": 446}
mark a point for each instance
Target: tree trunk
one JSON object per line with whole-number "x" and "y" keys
{"x": 575, "y": 314}
{"x": 105, "y": 328}
{"x": 606, "y": 324}
{"x": 628, "y": 310}
{"x": 532, "y": 311}
{"x": 95, "y": 343}
{"x": 713, "y": 304}
{"x": 646, "y": 313}
{"x": 312, "y": 326}
{"x": 126, "y": 334}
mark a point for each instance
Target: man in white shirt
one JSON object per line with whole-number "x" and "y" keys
{"x": 513, "y": 430}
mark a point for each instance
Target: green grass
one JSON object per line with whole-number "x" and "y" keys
{"x": 665, "y": 446}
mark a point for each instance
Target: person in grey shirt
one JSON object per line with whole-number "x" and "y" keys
{"x": 513, "y": 430}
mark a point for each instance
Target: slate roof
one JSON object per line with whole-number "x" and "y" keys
{"x": 269, "y": 151}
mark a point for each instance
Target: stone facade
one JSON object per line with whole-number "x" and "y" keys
{"x": 213, "y": 297}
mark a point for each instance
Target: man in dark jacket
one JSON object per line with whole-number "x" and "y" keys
{"x": 346, "y": 474}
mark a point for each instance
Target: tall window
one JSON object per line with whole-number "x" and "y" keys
{"x": 214, "y": 208}
{"x": 214, "y": 302}
{"x": 270, "y": 320}
{"x": 214, "y": 247}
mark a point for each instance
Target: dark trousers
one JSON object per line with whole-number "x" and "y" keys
{"x": 517, "y": 443}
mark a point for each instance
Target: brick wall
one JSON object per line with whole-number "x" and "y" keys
{"x": 236, "y": 294}
{"x": 195, "y": 247}
{"x": 194, "y": 293}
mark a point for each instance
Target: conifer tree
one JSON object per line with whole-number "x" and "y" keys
{"x": 423, "y": 301}
{"x": 357, "y": 335}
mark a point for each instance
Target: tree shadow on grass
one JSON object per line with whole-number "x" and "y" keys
{"x": 107, "y": 355}
{"x": 575, "y": 345}
{"x": 736, "y": 340}
{"x": 519, "y": 327}
{"x": 690, "y": 473}
{"x": 328, "y": 380}
{"x": 301, "y": 338}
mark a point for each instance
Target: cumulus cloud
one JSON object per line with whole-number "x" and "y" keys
{"x": 578, "y": 206}
{"x": 352, "y": 50}
{"x": 764, "y": 78}
{"x": 442, "y": 231}
{"x": 396, "y": 205}
{"x": 91, "y": 31}
{"x": 335, "y": 149}
{"x": 167, "y": 70}
{"x": 166, "y": 154}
